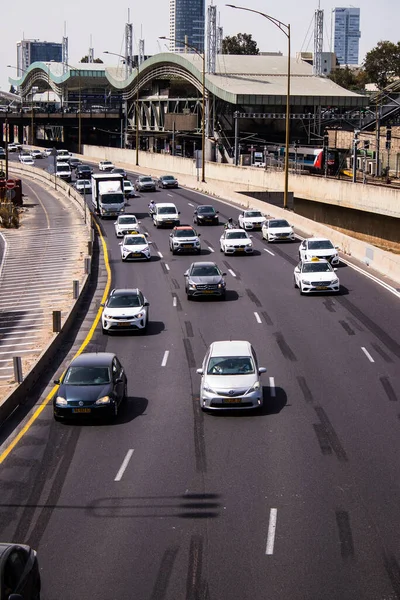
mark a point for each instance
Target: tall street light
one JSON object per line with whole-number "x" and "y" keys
{"x": 203, "y": 104}
{"x": 31, "y": 137}
{"x": 137, "y": 101}
{"x": 286, "y": 30}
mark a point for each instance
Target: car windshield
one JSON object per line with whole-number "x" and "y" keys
{"x": 125, "y": 301}
{"x": 230, "y": 365}
{"x": 185, "y": 233}
{"x": 205, "y": 209}
{"x": 112, "y": 199}
{"x": 253, "y": 213}
{"x": 167, "y": 210}
{"x": 127, "y": 183}
{"x": 279, "y": 223}
{"x": 320, "y": 245}
{"x": 124, "y": 220}
{"x": 168, "y": 178}
{"x": 87, "y": 376}
{"x": 107, "y": 162}
{"x": 146, "y": 180}
{"x": 205, "y": 271}
{"x": 236, "y": 235}
{"x": 138, "y": 240}
{"x": 317, "y": 268}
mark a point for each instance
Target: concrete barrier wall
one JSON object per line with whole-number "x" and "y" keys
{"x": 368, "y": 198}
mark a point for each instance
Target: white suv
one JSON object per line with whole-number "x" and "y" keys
{"x": 165, "y": 215}
{"x": 230, "y": 377}
{"x": 319, "y": 248}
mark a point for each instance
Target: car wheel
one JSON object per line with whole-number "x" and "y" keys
{"x": 221, "y": 249}
{"x": 294, "y": 283}
{"x": 301, "y": 290}
{"x": 116, "y": 410}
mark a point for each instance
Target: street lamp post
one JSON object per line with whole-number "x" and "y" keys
{"x": 79, "y": 106}
{"x": 203, "y": 107}
{"x": 137, "y": 101}
{"x": 285, "y": 28}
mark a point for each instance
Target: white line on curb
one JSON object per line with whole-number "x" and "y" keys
{"x": 367, "y": 354}
{"x": 126, "y": 460}
{"x": 272, "y": 387}
{"x": 258, "y": 318}
{"x": 165, "y": 358}
{"x": 271, "y": 531}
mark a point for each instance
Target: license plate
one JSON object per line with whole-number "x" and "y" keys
{"x": 232, "y": 400}
{"x": 81, "y": 410}
{"x": 187, "y": 246}
{"x": 240, "y": 249}
{"x": 168, "y": 222}
{"x": 321, "y": 287}
{"x": 124, "y": 323}
{"x": 208, "y": 292}
{"x": 136, "y": 255}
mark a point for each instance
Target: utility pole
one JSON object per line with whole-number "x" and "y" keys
{"x": 356, "y": 141}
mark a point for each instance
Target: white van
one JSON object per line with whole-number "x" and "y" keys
{"x": 166, "y": 215}
{"x": 63, "y": 170}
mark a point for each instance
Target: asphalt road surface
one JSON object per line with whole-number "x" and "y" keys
{"x": 297, "y": 501}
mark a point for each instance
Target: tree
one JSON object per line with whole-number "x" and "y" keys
{"x": 382, "y": 63}
{"x": 242, "y": 43}
{"x": 85, "y": 59}
{"x": 349, "y": 79}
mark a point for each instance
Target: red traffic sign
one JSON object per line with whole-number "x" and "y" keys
{"x": 10, "y": 184}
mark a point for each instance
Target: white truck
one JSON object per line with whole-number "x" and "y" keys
{"x": 108, "y": 194}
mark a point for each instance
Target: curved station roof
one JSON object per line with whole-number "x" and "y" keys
{"x": 238, "y": 79}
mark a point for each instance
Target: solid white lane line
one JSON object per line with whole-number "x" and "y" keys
{"x": 271, "y": 531}
{"x": 167, "y": 267}
{"x": 190, "y": 204}
{"x": 174, "y": 301}
{"x": 272, "y": 387}
{"x": 165, "y": 358}
{"x": 258, "y": 318}
{"x": 160, "y": 255}
{"x": 387, "y": 287}
{"x": 210, "y": 249}
{"x": 125, "y": 462}
{"x": 232, "y": 272}
{"x": 367, "y": 354}
{"x": 269, "y": 251}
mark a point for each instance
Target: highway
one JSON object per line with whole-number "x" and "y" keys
{"x": 297, "y": 501}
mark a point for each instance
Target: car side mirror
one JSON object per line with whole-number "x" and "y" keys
{"x": 250, "y": 236}
{"x": 179, "y": 212}
{"x": 146, "y": 303}
{"x": 223, "y": 274}
{"x": 139, "y": 223}
{"x": 121, "y": 243}
{"x": 171, "y": 235}
{"x": 217, "y": 212}
{"x": 119, "y": 380}
{"x": 336, "y": 247}
{"x": 262, "y": 370}
{"x": 335, "y": 269}
{"x": 199, "y": 371}
{"x": 149, "y": 242}
{"x": 115, "y": 222}
{"x": 195, "y": 212}
{"x": 57, "y": 381}
{"x": 199, "y": 235}
{"x": 186, "y": 274}
{"x": 297, "y": 270}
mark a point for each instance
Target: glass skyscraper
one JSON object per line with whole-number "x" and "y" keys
{"x": 186, "y": 23}
{"x": 30, "y": 51}
{"x": 347, "y": 35}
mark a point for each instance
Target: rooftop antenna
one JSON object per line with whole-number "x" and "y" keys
{"x": 91, "y": 51}
{"x": 128, "y": 46}
{"x": 211, "y": 37}
{"x": 65, "y": 49}
{"x": 318, "y": 40}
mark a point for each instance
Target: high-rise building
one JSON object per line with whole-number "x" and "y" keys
{"x": 347, "y": 35}
{"x": 186, "y": 24}
{"x": 30, "y": 51}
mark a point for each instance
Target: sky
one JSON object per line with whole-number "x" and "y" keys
{"x": 104, "y": 21}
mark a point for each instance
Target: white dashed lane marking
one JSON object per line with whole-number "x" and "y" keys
{"x": 272, "y": 389}
{"x": 258, "y": 318}
{"x": 210, "y": 249}
{"x": 232, "y": 272}
{"x": 165, "y": 358}
{"x": 271, "y": 531}
{"x": 160, "y": 255}
{"x": 367, "y": 354}
{"x": 125, "y": 463}
{"x": 269, "y": 251}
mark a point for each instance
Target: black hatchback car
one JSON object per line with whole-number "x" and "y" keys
{"x": 83, "y": 172}
{"x": 94, "y": 385}
{"x": 19, "y": 572}
{"x": 205, "y": 214}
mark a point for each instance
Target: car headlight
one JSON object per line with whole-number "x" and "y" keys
{"x": 139, "y": 315}
{"x": 197, "y": 243}
{"x": 222, "y": 284}
{"x": 108, "y": 316}
{"x": 192, "y": 285}
{"x": 103, "y": 400}
{"x": 206, "y": 388}
{"x": 335, "y": 281}
{"x": 306, "y": 282}
{"x": 60, "y": 401}
{"x": 255, "y": 387}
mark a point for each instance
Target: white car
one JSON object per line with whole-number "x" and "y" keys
{"x": 251, "y": 219}
{"x": 36, "y": 153}
{"x": 126, "y": 224}
{"x": 236, "y": 240}
{"x": 135, "y": 246}
{"x": 129, "y": 190}
{"x": 277, "y": 230}
{"x": 26, "y": 159}
{"x": 63, "y": 171}
{"x": 83, "y": 186}
{"x": 47, "y": 151}
{"x": 106, "y": 165}
{"x": 315, "y": 275}
{"x": 125, "y": 309}
{"x": 230, "y": 377}
{"x": 319, "y": 248}
{"x": 165, "y": 215}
